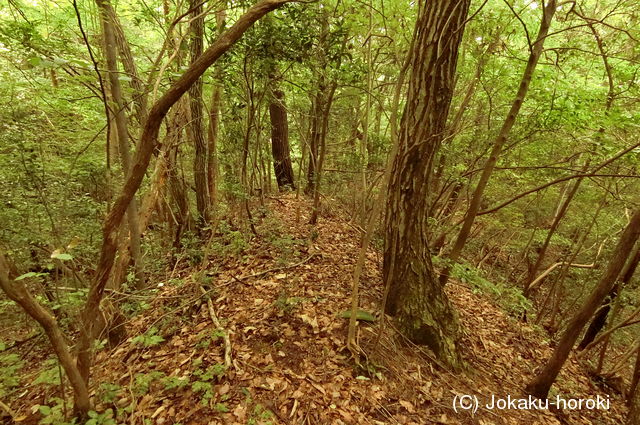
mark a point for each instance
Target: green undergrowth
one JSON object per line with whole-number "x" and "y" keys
{"x": 510, "y": 298}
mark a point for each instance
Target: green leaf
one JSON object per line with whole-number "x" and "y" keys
{"x": 365, "y": 316}
{"x": 26, "y": 275}
{"x": 62, "y": 256}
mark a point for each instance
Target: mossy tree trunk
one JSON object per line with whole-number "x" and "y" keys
{"x": 415, "y": 297}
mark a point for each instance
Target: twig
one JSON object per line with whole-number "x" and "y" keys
{"x": 274, "y": 269}
{"x": 8, "y": 410}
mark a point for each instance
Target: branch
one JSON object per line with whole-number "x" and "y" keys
{"x": 562, "y": 179}
{"x": 19, "y": 293}
{"x": 146, "y": 146}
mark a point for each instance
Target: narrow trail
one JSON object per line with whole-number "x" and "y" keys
{"x": 279, "y": 296}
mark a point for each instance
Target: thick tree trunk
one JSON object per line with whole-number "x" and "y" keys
{"x": 415, "y": 297}
{"x": 540, "y": 385}
{"x": 474, "y": 205}
{"x": 280, "y": 141}
{"x": 634, "y": 409}
{"x": 197, "y": 131}
{"x": 147, "y": 144}
{"x": 118, "y": 108}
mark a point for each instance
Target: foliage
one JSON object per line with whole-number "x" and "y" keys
{"x": 149, "y": 338}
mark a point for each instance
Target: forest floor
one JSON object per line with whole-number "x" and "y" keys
{"x": 279, "y": 296}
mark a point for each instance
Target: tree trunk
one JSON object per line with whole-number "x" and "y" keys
{"x": 562, "y": 210}
{"x": 128, "y": 63}
{"x": 147, "y": 144}
{"x": 118, "y": 109}
{"x": 19, "y": 293}
{"x": 634, "y": 409}
{"x": 474, "y": 205}
{"x": 280, "y": 141}
{"x": 318, "y": 107}
{"x": 314, "y": 138}
{"x": 600, "y": 318}
{"x": 214, "y": 120}
{"x": 540, "y": 385}
{"x": 322, "y": 144}
{"x": 197, "y": 132}
{"x": 415, "y": 297}
{"x": 632, "y": 399}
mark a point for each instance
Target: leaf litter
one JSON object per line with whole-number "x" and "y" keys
{"x": 289, "y": 361}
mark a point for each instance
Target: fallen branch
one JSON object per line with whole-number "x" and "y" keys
{"x": 225, "y": 335}
{"x": 274, "y": 269}
{"x": 544, "y": 274}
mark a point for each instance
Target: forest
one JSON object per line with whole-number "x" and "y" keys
{"x": 319, "y": 212}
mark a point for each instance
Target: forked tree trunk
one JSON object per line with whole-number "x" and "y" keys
{"x": 476, "y": 199}
{"x": 196, "y": 125}
{"x": 280, "y": 141}
{"x": 415, "y": 297}
{"x": 18, "y": 292}
{"x": 322, "y": 143}
{"x": 317, "y": 108}
{"x": 314, "y": 135}
{"x": 540, "y": 385}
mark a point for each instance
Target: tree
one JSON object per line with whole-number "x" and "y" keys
{"x": 197, "y": 117}
{"x": 523, "y": 88}
{"x": 541, "y": 383}
{"x": 415, "y": 298}
{"x": 79, "y": 373}
{"x": 280, "y": 140}
{"x": 122, "y": 132}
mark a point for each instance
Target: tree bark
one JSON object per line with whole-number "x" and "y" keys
{"x": 197, "y": 132}
{"x": 540, "y": 385}
{"x": 322, "y": 144}
{"x": 476, "y": 199}
{"x": 147, "y": 144}
{"x": 415, "y": 298}
{"x": 118, "y": 110}
{"x": 634, "y": 409}
{"x": 128, "y": 63}
{"x": 214, "y": 120}
{"x": 317, "y": 107}
{"x": 280, "y": 141}
{"x": 19, "y": 293}
{"x": 600, "y": 318}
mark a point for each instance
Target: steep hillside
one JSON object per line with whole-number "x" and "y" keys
{"x": 279, "y": 296}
